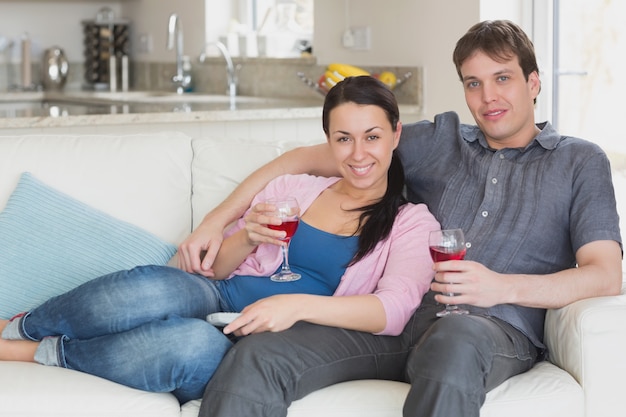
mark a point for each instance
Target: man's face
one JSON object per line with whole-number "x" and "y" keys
{"x": 501, "y": 100}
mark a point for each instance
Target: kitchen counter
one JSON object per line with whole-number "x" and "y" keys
{"x": 158, "y": 116}
{"x": 89, "y": 108}
{"x": 54, "y": 109}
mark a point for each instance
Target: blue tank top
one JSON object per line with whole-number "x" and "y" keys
{"x": 320, "y": 257}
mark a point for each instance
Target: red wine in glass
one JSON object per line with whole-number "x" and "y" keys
{"x": 287, "y": 226}
{"x": 442, "y": 254}
{"x": 288, "y": 210}
{"x": 448, "y": 245}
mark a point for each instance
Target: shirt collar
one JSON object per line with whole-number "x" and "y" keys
{"x": 548, "y": 138}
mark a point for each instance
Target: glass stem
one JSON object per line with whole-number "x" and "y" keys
{"x": 286, "y": 267}
{"x": 451, "y": 307}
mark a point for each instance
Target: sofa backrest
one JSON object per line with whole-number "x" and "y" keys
{"x": 163, "y": 182}
{"x": 143, "y": 179}
{"x": 219, "y": 165}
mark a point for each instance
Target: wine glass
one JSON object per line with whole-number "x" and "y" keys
{"x": 447, "y": 245}
{"x": 288, "y": 210}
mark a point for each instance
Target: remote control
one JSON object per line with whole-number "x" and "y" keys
{"x": 221, "y": 319}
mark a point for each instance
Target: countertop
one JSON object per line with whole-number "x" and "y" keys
{"x": 54, "y": 109}
{"x": 84, "y": 108}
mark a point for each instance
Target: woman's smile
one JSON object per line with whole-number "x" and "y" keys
{"x": 362, "y": 169}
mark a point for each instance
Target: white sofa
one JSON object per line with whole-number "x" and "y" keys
{"x": 165, "y": 183}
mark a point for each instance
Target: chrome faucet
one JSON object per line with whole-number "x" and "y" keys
{"x": 175, "y": 31}
{"x": 231, "y": 69}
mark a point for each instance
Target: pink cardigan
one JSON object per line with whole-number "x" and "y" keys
{"x": 398, "y": 271}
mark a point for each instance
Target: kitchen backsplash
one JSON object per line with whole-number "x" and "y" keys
{"x": 257, "y": 77}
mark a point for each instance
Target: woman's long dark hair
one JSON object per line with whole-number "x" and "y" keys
{"x": 376, "y": 219}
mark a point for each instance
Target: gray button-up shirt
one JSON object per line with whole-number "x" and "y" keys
{"x": 523, "y": 211}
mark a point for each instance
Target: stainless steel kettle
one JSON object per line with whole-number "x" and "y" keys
{"x": 55, "y": 69}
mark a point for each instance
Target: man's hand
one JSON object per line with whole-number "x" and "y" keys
{"x": 471, "y": 282}
{"x": 599, "y": 273}
{"x": 197, "y": 253}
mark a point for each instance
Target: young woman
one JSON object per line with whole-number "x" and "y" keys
{"x": 361, "y": 249}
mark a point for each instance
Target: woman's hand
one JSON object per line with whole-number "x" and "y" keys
{"x": 196, "y": 254}
{"x": 280, "y": 312}
{"x": 256, "y": 228}
{"x": 271, "y": 314}
{"x": 237, "y": 246}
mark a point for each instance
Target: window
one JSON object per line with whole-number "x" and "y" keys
{"x": 582, "y": 76}
{"x": 261, "y": 13}
{"x": 270, "y": 28}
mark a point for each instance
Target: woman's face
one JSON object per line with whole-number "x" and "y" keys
{"x": 362, "y": 141}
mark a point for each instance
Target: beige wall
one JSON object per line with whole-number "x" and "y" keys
{"x": 399, "y": 35}
{"x": 151, "y": 17}
{"x": 49, "y": 23}
{"x": 404, "y": 32}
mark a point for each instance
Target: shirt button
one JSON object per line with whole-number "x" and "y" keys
{"x": 485, "y": 213}
{"x": 494, "y": 180}
{"x": 501, "y": 156}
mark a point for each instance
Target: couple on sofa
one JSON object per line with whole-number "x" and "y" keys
{"x": 538, "y": 210}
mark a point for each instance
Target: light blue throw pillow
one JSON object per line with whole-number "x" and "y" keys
{"x": 51, "y": 243}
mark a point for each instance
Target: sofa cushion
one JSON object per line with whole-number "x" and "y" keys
{"x": 28, "y": 390}
{"x": 545, "y": 391}
{"x": 219, "y": 165}
{"x": 144, "y": 179}
{"x": 52, "y": 243}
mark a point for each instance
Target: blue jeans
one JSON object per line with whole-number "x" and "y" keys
{"x": 144, "y": 328}
{"x": 450, "y": 362}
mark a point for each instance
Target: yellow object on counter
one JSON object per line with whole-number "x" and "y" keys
{"x": 388, "y": 78}
{"x": 336, "y": 72}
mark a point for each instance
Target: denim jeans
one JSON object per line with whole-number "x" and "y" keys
{"x": 450, "y": 362}
{"x": 144, "y": 328}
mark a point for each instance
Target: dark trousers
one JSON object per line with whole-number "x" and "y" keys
{"x": 450, "y": 362}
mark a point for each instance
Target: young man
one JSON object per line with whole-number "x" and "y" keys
{"x": 539, "y": 214}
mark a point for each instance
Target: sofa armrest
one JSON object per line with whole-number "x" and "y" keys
{"x": 587, "y": 339}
